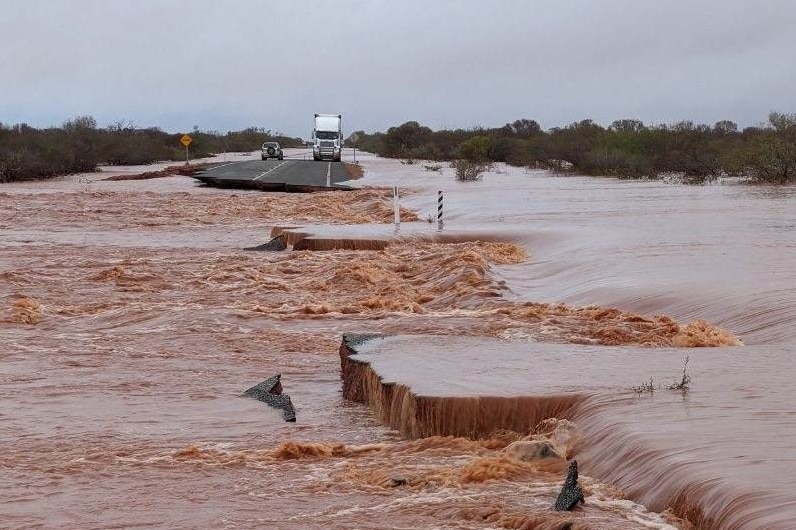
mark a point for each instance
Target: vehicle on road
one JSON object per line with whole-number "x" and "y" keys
{"x": 272, "y": 150}
{"x": 327, "y": 137}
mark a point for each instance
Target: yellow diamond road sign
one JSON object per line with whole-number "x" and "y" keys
{"x": 186, "y": 140}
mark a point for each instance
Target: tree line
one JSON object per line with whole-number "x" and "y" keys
{"x": 696, "y": 153}
{"x": 80, "y": 146}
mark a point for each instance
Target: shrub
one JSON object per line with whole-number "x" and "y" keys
{"x": 469, "y": 171}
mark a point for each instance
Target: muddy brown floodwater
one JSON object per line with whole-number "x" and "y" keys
{"x": 132, "y": 320}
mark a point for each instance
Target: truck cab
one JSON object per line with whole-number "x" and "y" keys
{"x": 327, "y": 137}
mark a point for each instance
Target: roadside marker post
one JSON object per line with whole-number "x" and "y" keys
{"x": 396, "y": 208}
{"x": 186, "y": 141}
{"x": 439, "y": 210}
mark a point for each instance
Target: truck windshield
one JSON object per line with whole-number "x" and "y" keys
{"x": 326, "y": 135}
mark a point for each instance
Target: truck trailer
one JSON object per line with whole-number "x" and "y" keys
{"x": 327, "y": 137}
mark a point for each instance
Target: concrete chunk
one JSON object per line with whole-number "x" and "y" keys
{"x": 571, "y": 494}
{"x": 275, "y": 245}
{"x": 270, "y": 393}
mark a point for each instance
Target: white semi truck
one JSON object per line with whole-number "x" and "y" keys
{"x": 327, "y": 137}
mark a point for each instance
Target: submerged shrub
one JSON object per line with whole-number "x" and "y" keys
{"x": 469, "y": 171}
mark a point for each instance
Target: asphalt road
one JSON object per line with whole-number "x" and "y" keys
{"x": 290, "y": 172}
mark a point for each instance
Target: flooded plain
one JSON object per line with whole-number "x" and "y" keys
{"x": 132, "y": 320}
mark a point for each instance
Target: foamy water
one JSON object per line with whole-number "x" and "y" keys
{"x": 132, "y": 320}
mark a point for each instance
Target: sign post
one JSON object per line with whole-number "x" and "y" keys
{"x": 354, "y": 139}
{"x": 186, "y": 141}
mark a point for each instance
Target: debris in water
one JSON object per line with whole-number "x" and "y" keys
{"x": 527, "y": 450}
{"x": 571, "y": 493}
{"x": 170, "y": 171}
{"x": 270, "y": 392}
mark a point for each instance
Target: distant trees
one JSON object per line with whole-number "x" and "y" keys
{"x": 771, "y": 152}
{"x": 627, "y": 148}
{"x": 725, "y": 127}
{"x": 26, "y": 151}
{"x": 575, "y": 142}
{"x": 524, "y": 127}
{"x": 406, "y": 139}
{"x": 80, "y": 146}
{"x": 627, "y": 126}
{"x": 372, "y": 143}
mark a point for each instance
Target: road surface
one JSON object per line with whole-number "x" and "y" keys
{"x": 276, "y": 175}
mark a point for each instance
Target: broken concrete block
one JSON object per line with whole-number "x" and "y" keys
{"x": 270, "y": 392}
{"x": 571, "y": 494}
{"x": 275, "y": 245}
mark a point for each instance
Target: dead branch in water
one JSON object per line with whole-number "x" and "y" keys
{"x": 684, "y": 384}
{"x": 645, "y": 388}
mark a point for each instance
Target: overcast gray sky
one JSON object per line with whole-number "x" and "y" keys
{"x": 225, "y": 65}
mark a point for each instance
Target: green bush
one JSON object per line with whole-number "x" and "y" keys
{"x": 476, "y": 149}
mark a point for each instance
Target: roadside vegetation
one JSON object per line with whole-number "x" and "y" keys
{"x": 694, "y": 153}
{"x": 80, "y": 146}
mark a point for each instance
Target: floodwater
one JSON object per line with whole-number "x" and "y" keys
{"x": 724, "y": 453}
{"x": 131, "y": 322}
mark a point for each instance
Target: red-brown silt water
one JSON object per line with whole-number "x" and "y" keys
{"x": 132, "y": 320}
{"x": 722, "y": 453}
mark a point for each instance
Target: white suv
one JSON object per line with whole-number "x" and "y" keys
{"x": 272, "y": 150}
